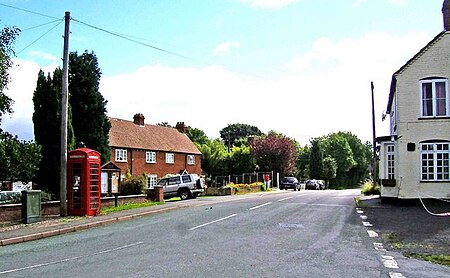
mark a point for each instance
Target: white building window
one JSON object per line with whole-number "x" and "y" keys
{"x": 434, "y": 98}
{"x": 390, "y": 160}
{"x": 150, "y": 157}
{"x": 191, "y": 159}
{"x": 170, "y": 158}
{"x": 151, "y": 181}
{"x": 121, "y": 155}
{"x": 435, "y": 160}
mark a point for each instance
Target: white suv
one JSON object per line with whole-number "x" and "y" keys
{"x": 183, "y": 186}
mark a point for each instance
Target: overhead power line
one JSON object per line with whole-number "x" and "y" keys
{"x": 61, "y": 20}
{"x": 40, "y": 25}
{"x": 130, "y": 38}
{"x": 28, "y": 11}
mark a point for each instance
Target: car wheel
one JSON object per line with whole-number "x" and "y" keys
{"x": 184, "y": 194}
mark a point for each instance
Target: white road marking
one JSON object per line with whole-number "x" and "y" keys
{"x": 396, "y": 275}
{"x": 262, "y": 205}
{"x": 284, "y": 199}
{"x": 372, "y": 233}
{"x": 363, "y": 217}
{"x": 367, "y": 224}
{"x": 389, "y": 262}
{"x": 71, "y": 259}
{"x": 212, "y": 222}
{"x": 378, "y": 246}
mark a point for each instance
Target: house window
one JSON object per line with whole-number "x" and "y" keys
{"x": 150, "y": 157}
{"x": 121, "y": 155}
{"x": 191, "y": 159}
{"x": 434, "y": 98}
{"x": 390, "y": 159}
{"x": 170, "y": 158}
{"x": 435, "y": 160}
{"x": 151, "y": 181}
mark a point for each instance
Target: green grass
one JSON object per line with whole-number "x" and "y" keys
{"x": 127, "y": 206}
{"x": 437, "y": 259}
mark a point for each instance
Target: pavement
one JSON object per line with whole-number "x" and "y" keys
{"x": 411, "y": 228}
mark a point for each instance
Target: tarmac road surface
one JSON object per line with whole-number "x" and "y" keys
{"x": 288, "y": 234}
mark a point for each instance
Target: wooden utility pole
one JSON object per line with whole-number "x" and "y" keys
{"x": 374, "y": 163}
{"x": 64, "y": 105}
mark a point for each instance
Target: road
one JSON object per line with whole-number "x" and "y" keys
{"x": 287, "y": 234}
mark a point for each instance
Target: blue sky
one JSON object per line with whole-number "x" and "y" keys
{"x": 302, "y": 68}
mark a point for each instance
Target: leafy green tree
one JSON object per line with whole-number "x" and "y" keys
{"x": 214, "y": 157}
{"x": 233, "y": 132}
{"x": 90, "y": 122}
{"x": 7, "y": 38}
{"x": 351, "y": 156}
{"x": 329, "y": 169}
{"x": 241, "y": 160}
{"x": 197, "y": 135}
{"x": 302, "y": 163}
{"x": 274, "y": 152}
{"x": 164, "y": 124}
{"x": 47, "y": 129}
{"x": 19, "y": 160}
{"x": 316, "y": 160}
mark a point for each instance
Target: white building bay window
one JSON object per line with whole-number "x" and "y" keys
{"x": 434, "y": 98}
{"x": 390, "y": 160}
{"x": 435, "y": 161}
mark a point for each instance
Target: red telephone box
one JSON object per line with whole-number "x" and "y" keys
{"x": 83, "y": 182}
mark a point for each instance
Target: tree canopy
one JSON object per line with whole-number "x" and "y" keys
{"x": 7, "y": 38}
{"x": 90, "y": 123}
{"x": 233, "y": 132}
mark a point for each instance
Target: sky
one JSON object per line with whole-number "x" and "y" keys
{"x": 299, "y": 67}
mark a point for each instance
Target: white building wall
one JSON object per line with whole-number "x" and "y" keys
{"x": 434, "y": 62}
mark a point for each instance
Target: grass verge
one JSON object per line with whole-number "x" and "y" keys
{"x": 127, "y": 206}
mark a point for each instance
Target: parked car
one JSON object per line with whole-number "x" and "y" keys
{"x": 315, "y": 184}
{"x": 183, "y": 186}
{"x": 290, "y": 182}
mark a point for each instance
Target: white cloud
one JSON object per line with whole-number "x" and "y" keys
{"x": 45, "y": 56}
{"x": 269, "y": 4}
{"x": 358, "y": 3}
{"x": 225, "y": 48}
{"x": 327, "y": 89}
{"x": 23, "y": 83}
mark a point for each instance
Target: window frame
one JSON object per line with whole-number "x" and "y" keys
{"x": 170, "y": 158}
{"x": 150, "y": 157}
{"x": 190, "y": 159}
{"x": 390, "y": 161}
{"x": 434, "y": 161}
{"x": 433, "y": 82}
{"x": 121, "y": 155}
{"x": 152, "y": 180}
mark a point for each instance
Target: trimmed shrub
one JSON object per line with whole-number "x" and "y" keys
{"x": 133, "y": 185}
{"x": 370, "y": 188}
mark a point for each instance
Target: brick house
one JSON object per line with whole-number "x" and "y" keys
{"x": 152, "y": 150}
{"x": 415, "y": 158}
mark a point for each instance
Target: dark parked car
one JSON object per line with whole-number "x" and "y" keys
{"x": 314, "y": 184}
{"x": 290, "y": 182}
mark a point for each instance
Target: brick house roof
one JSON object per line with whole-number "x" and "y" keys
{"x": 127, "y": 134}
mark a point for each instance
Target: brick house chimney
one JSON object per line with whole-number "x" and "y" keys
{"x": 446, "y": 14}
{"x": 139, "y": 119}
{"x": 181, "y": 127}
